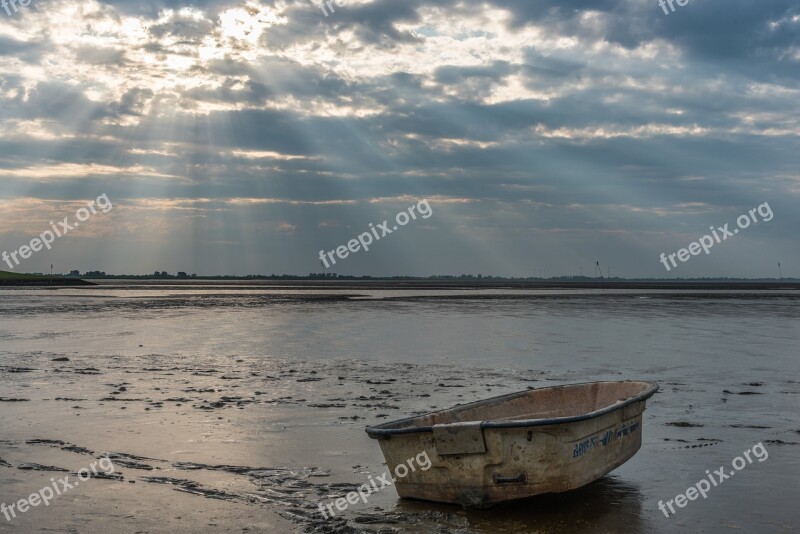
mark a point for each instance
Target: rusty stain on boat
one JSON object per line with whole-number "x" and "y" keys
{"x": 515, "y": 446}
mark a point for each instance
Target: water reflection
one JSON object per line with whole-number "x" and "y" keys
{"x": 606, "y": 505}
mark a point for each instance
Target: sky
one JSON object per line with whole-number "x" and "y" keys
{"x": 245, "y": 137}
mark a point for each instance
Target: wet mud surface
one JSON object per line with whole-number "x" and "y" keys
{"x": 267, "y": 433}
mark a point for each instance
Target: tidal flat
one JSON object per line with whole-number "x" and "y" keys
{"x": 240, "y": 407}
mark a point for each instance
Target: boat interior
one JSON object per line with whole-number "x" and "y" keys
{"x": 535, "y": 404}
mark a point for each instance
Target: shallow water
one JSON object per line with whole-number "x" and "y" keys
{"x": 254, "y": 377}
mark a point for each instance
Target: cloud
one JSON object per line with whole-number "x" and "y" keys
{"x": 604, "y": 118}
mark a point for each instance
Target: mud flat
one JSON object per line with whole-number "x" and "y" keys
{"x": 258, "y": 445}
{"x": 239, "y": 413}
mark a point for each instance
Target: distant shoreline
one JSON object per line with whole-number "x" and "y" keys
{"x": 43, "y": 282}
{"x": 539, "y": 285}
{"x": 334, "y": 282}
{"x": 440, "y": 285}
{"x": 8, "y": 279}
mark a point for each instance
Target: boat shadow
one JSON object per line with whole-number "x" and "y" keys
{"x": 605, "y": 505}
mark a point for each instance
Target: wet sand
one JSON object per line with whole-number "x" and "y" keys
{"x": 227, "y": 432}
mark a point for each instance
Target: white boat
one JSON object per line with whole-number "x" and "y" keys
{"x": 515, "y": 446}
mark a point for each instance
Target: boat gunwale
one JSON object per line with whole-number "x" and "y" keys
{"x": 379, "y": 431}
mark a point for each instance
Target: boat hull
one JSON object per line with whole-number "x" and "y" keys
{"x": 481, "y": 463}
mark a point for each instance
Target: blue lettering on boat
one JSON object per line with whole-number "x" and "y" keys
{"x": 604, "y": 439}
{"x": 628, "y": 429}
{"x": 588, "y": 444}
